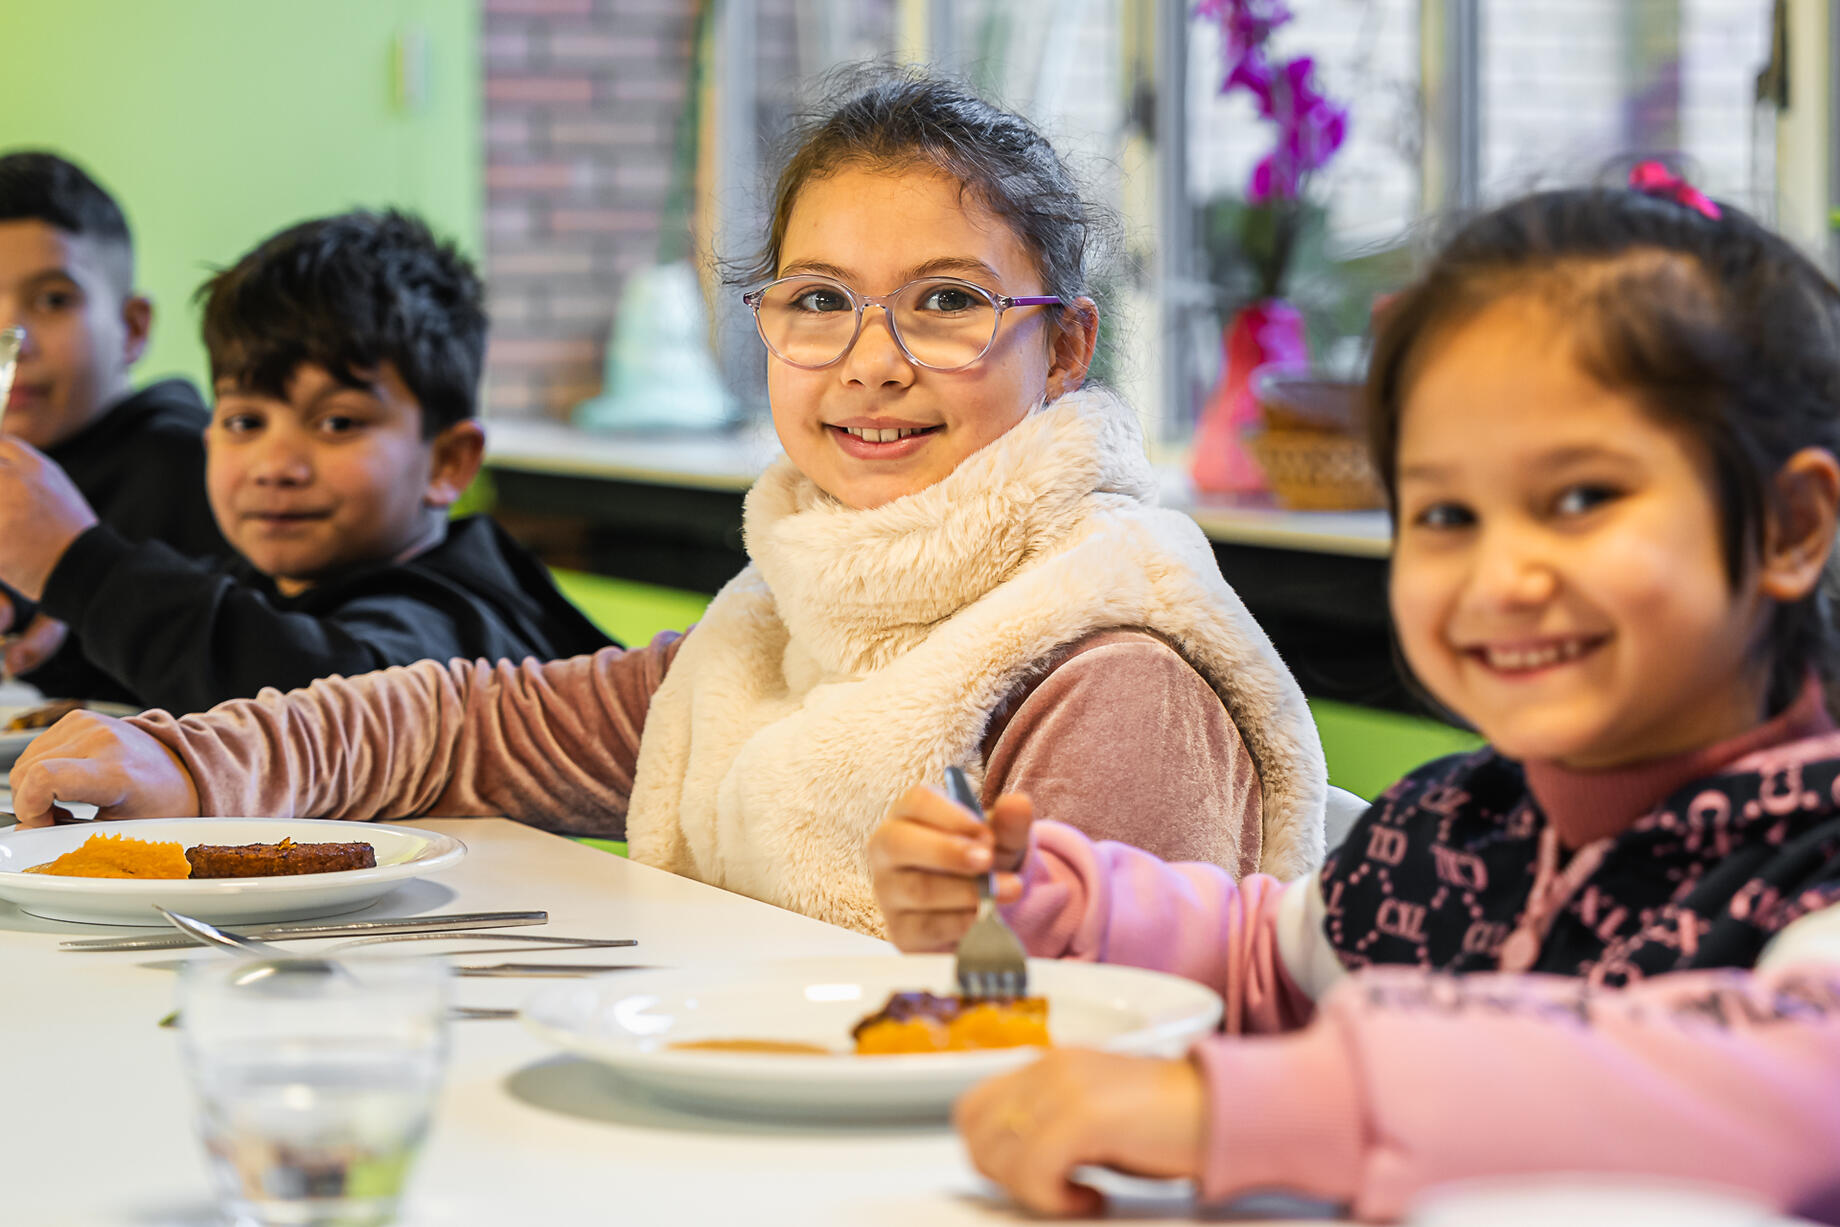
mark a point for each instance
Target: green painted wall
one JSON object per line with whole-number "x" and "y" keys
{"x": 217, "y": 122}
{"x": 1368, "y": 749}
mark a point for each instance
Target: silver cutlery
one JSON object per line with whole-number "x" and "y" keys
{"x": 64, "y": 814}
{"x": 990, "y": 962}
{"x": 211, "y": 935}
{"x": 459, "y": 1013}
{"x": 448, "y": 923}
{"x": 250, "y": 948}
{"x": 570, "y": 943}
{"x": 547, "y": 970}
{"x": 244, "y": 945}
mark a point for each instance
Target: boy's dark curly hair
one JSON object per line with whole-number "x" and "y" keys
{"x": 349, "y": 293}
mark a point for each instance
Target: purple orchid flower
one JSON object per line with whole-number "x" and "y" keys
{"x": 1246, "y": 24}
{"x": 1311, "y": 127}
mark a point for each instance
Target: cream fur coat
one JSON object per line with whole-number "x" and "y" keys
{"x": 862, "y": 651}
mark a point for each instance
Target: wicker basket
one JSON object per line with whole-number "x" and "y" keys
{"x": 1312, "y": 449}
{"x": 1313, "y": 470}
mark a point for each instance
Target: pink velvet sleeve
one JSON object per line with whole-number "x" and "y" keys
{"x": 1406, "y": 1080}
{"x": 550, "y": 743}
{"x": 1112, "y": 903}
{"x": 1125, "y": 741}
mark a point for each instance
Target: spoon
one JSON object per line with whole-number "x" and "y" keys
{"x": 250, "y": 947}
{"x": 211, "y": 935}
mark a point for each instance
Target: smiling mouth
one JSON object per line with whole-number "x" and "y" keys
{"x": 1519, "y": 658}
{"x": 869, "y": 434}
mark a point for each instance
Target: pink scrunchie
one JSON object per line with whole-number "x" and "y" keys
{"x": 1655, "y": 179}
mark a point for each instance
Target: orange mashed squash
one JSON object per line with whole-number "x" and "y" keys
{"x": 921, "y": 1022}
{"x": 118, "y": 856}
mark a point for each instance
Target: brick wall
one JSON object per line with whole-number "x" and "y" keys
{"x": 582, "y": 99}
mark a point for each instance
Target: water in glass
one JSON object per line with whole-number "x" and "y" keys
{"x": 315, "y": 1082}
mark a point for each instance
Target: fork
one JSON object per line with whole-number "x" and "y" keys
{"x": 990, "y": 963}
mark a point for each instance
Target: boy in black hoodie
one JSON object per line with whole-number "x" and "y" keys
{"x": 345, "y": 355}
{"x": 135, "y": 458}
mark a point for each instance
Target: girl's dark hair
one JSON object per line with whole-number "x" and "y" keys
{"x": 349, "y": 293}
{"x": 891, "y": 118}
{"x": 1717, "y": 326}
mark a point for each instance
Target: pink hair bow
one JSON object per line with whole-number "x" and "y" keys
{"x": 1655, "y": 179}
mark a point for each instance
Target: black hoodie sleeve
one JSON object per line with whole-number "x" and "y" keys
{"x": 183, "y": 635}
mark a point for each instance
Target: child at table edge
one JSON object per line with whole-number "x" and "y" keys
{"x": 135, "y": 456}
{"x": 1607, "y": 423}
{"x": 346, "y": 354}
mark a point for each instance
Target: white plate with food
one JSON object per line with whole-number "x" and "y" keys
{"x": 775, "y": 1039}
{"x": 20, "y": 723}
{"x": 282, "y": 875}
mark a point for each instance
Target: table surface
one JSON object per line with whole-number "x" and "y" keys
{"x": 731, "y": 462}
{"x": 100, "y": 1118}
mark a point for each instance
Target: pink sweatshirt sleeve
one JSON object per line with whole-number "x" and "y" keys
{"x": 1406, "y": 1080}
{"x": 1112, "y": 903}
{"x": 1124, "y": 740}
{"x": 551, "y": 743}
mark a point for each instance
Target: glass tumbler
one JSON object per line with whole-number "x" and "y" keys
{"x": 315, "y": 1079}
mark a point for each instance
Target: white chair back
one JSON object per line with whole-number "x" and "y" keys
{"x": 1341, "y": 813}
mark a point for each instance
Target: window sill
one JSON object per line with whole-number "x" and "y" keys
{"x": 731, "y": 462}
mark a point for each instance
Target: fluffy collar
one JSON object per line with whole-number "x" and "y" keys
{"x": 858, "y": 587}
{"x": 865, "y": 649}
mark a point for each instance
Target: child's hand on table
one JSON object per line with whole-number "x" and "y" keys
{"x": 109, "y": 763}
{"x": 925, "y": 859}
{"x": 1028, "y": 1130}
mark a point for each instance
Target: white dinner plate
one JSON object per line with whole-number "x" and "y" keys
{"x": 402, "y": 853}
{"x": 630, "y": 1020}
{"x": 1589, "y": 1199}
{"x": 12, "y": 745}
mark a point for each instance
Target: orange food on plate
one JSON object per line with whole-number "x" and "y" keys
{"x": 1000, "y": 1024}
{"x": 926, "y": 1022}
{"x": 117, "y": 856}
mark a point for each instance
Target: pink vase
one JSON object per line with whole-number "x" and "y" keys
{"x": 1264, "y": 333}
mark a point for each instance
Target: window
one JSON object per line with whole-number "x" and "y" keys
{"x": 1452, "y": 103}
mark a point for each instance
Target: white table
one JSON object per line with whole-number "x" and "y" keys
{"x": 99, "y": 1118}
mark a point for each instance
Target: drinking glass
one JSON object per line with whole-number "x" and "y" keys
{"x": 315, "y": 1079}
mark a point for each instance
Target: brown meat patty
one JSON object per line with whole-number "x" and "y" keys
{"x": 43, "y": 717}
{"x": 275, "y": 860}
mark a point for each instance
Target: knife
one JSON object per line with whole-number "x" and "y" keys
{"x": 72, "y": 811}
{"x": 549, "y": 970}
{"x": 347, "y": 928}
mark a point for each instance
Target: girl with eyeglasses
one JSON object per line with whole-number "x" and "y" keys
{"x": 957, "y": 562}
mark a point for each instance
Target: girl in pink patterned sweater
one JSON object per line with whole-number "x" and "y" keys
{"x": 1606, "y": 422}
